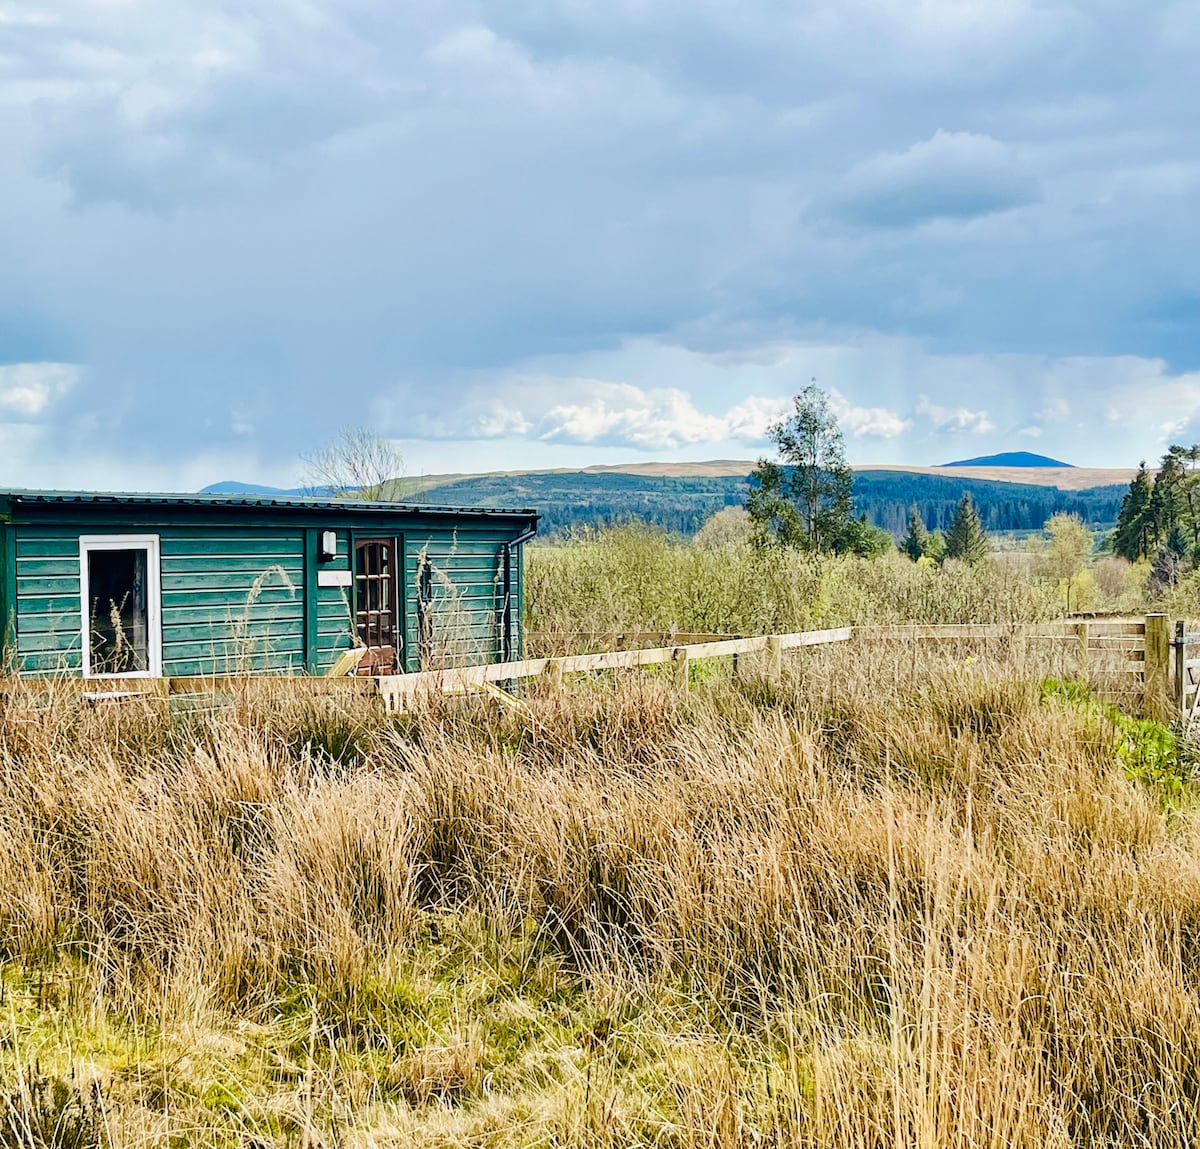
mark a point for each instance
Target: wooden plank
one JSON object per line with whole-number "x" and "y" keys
{"x": 37, "y": 546}
{"x": 257, "y": 614}
{"x": 1102, "y": 629}
{"x": 41, "y": 586}
{"x": 1159, "y": 702}
{"x": 681, "y": 672}
{"x": 67, "y": 621}
{"x": 264, "y": 547}
{"x": 31, "y": 605}
{"x": 230, "y": 598}
{"x": 404, "y": 685}
{"x": 816, "y": 637}
{"x": 49, "y": 568}
{"x": 250, "y": 565}
{"x": 626, "y": 638}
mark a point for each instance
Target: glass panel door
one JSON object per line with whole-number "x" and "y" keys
{"x": 376, "y": 586}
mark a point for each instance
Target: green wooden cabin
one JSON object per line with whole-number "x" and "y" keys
{"x": 122, "y": 586}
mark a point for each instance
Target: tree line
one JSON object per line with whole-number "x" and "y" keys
{"x": 1159, "y": 519}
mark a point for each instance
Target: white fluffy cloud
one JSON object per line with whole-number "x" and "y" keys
{"x": 600, "y": 413}
{"x": 866, "y": 422}
{"x": 951, "y": 419}
{"x": 28, "y": 389}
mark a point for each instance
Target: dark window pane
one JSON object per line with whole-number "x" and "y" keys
{"x": 118, "y": 622}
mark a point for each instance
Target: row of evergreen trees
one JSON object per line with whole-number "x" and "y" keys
{"x": 1160, "y": 517}
{"x": 966, "y": 539}
{"x": 1163, "y": 511}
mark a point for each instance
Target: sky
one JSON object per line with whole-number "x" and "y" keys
{"x": 515, "y": 235}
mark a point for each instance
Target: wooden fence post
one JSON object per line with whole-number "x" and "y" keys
{"x": 679, "y": 661}
{"x": 1081, "y": 631}
{"x": 553, "y": 673}
{"x": 1180, "y": 668}
{"x": 1157, "y": 675}
{"x": 774, "y": 658}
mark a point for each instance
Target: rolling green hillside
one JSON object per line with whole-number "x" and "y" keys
{"x": 573, "y": 499}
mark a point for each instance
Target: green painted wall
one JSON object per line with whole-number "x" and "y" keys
{"x": 247, "y": 599}
{"x": 8, "y": 594}
{"x": 48, "y": 612}
{"x": 232, "y": 601}
{"x": 467, "y": 601}
{"x": 335, "y": 629}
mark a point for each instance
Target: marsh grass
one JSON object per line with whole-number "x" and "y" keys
{"x": 894, "y": 898}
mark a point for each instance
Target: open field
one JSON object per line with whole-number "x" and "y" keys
{"x": 895, "y": 898}
{"x": 900, "y": 895}
{"x": 1065, "y": 478}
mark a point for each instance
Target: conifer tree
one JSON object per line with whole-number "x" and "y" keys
{"x": 966, "y": 539}
{"x": 917, "y": 539}
{"x": 1133, "y": 534}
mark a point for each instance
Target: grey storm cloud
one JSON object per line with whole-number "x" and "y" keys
{"x": 246, "y": 225}
{"x": 953, "y": 175}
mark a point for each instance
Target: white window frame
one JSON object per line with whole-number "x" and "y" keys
{"x": 150, "y": 544}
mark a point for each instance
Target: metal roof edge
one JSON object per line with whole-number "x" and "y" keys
{"x": 26, "y": 497}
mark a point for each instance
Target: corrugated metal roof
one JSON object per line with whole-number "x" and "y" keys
{"x": 23, "y": 496}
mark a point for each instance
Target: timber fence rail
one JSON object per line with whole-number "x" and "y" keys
{"x": 1127, "y": 660}
{"x": 396, "y": 689}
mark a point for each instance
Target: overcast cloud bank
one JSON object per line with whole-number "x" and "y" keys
{"x": 519, "y": 235}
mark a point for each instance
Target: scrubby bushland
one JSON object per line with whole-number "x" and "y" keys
{"x": 637, "y": 578}
{"x": 890, "y": 900}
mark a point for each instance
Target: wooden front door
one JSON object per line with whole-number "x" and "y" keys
{"x": 377, "y": 604}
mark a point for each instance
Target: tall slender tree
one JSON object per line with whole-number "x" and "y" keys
{"x": 1133, "y": 537}
{"x": 805, "y": 499}
{"x": 917, "y": 539}
{"x": 966, "y": 539}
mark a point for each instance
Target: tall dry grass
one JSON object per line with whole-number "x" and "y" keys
{"x": 887, "y": 901}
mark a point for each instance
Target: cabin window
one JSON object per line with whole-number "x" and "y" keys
{"x": 119, "y": 581}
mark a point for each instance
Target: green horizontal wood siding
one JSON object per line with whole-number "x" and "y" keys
{"x": 49, "y": 638}
{"x": 467, "y": 583}
{"x": 8, "y": 597}
{"x": 251, "y": 616}
{"x": 333, "y": 614}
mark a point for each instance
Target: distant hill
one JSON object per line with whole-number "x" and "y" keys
{"x": 681, "y": 496}
{"x": 569, "y": 500}
{"x": 233, "y": 487}
{"x": 1008, "y": 459}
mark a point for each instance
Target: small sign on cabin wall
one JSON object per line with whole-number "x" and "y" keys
{"x": 333, "y": 578}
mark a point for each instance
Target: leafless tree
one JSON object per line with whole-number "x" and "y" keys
{"x": 358, "y": 464}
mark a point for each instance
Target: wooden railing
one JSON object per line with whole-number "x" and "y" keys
{"x": 396, "y": 689}
{"x": 1127, "y": 660}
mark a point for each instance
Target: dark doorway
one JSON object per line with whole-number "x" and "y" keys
{"x": 377, "y": 604}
